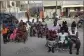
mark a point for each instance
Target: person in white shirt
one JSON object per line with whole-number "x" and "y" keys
{"x": 63, "y": 39}
{"x": 74, "y": 40}
{"x": 73, "y": 33}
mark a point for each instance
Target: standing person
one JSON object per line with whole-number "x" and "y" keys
{"x": 31, "y": 28}
{"x": 4, "y": 34}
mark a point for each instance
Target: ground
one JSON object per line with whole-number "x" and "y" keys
{"x": 35, "y": 47}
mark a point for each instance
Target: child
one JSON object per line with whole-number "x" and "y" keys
{"x": 63, "y": 39}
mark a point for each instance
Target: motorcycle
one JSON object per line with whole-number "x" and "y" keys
{"x": 80, "y": 23}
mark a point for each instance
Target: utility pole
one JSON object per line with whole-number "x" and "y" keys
{"x": 9, "y": 7}
{"x": 56, "y": 8}
{"x": 55, "y": 13}
{"x": 28, "y": 10}
{"x": 37, "y": 12}
{"x": 37, "y": 9}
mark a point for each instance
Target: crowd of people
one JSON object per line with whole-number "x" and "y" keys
{"x": 62, "y": 37}
{"x": 13, "y": 31}
{"x": 56, "y": 35}
{"x": 38, "y": 28}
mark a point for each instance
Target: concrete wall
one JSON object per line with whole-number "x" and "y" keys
{"x": 63, "y": 8}
{"x": 2, "y": 6}
{"x": 73, "y": 2}
{"x": 62, "y": 3}
{"x": 49, "y": 12}
{"x": 72, "y": 11}
{"x": 52, "y": 3}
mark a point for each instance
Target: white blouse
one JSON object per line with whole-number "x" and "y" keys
{"x": 56, "y": 28}
{"x": 74, "y": 34}
{"x": 62, "y": 36}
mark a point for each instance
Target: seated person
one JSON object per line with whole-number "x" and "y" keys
{"x": 63, "y": 39}
{"x": 64, "y": 27}
{"x": 51, "y": 44}
{"x": 73, "y": 24}
{"x": 73, "y": 33}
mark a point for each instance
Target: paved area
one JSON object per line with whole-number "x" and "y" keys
{"x": 35, "y": 47}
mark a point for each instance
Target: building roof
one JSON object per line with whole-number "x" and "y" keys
{"x": 72, "y": 6}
